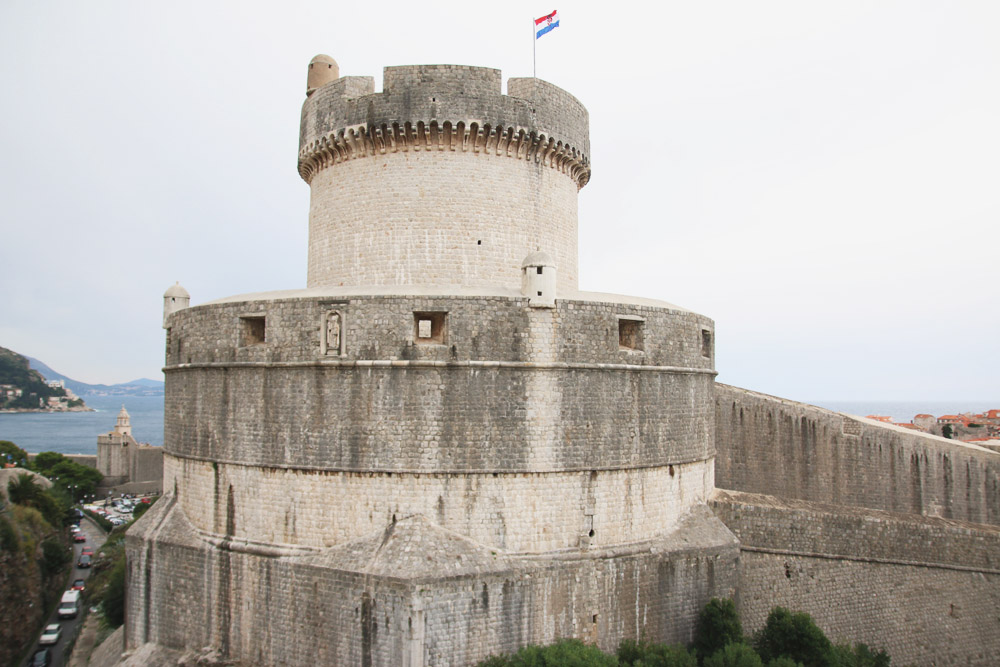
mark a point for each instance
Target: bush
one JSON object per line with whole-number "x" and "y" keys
{"x": 734, "y": 655}
{"x": 564, "y": 653}
{"x": 142, "y": 508}
{"x": 631, "y": 652}
{"x": 113, "y": 599}
{"x": 55, "y": 556}
{"x": 859, "y": 656}
{"x": 100, "y": 521}
{"x": 718, "y": 625}
{"x": 9, "y": 540}
{"x": 794, "y": 635}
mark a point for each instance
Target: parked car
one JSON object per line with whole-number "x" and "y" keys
{"x": 51, "y": 635}
{"x": 87, "y": 551}
{"x": 74, "y": 529}
{"x": 41, "y": 658}
{"x": 79, "y": 537}
{"x": 85, "y": 561}
{"x": 79, "y": 585}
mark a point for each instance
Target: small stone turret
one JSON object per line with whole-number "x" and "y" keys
{"x": 538, "y": 280}
{"x": 123, "y": 425}
{"x": 174, "y": 299}
{"x": 322, "y": 70}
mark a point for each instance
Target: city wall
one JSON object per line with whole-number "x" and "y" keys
{"x": 783, "y": 448}
{"x": 926, "y": 590}
{"x": 883, "y": 535}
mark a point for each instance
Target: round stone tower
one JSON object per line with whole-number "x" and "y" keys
{"x": 460, "y": 178}
{"x": 439, "y": 449}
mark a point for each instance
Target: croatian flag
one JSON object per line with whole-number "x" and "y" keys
{"x": 546, "y": 23}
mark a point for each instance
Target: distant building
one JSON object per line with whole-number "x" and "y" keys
{"x": 128, "y": 466}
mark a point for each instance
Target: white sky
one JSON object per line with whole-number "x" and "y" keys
{"x": 819, "y": 178}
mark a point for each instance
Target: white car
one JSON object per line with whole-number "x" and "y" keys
{"x": 51, "y": 634}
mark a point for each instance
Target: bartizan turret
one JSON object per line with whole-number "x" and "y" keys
{"x": 174, "y": 299}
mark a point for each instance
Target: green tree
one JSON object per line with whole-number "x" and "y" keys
{"x": 25, "y": 490}
{"x": 11, "y": 453}
{"x": 946, "y": 431}
{"x": 718, "y": 625}
{"x": 55, "y": 556}
{"x": 76, "y": 479}
{"x": 794, "y": 635}
{"x": 645, "y": 654}
{"x": 141, "y": 509}
{"x": 734, "y": 655}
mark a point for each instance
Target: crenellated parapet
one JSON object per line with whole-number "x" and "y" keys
{"x": 369, "y": 141}
{"x": 444, "y": 107}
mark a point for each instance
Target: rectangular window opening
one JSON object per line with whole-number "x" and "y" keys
{"x": 252, "y": 330}
{"x": 629, "y": 334}
{"x": 429, "y": 328}
{"x": 706, "y": 343}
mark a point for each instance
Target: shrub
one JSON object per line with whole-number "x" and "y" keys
{"x": 113, "y": 598}
{"x": 718, "y": 625}
{"x": 9, "y": 540}
{"x": 631, "y": 652}
{"x": 734, "y": 655}
{"x": 860, "y": 656}
{"x": 55, "y": 556}
{"x": 564, "y": 653}
{"x": 100, "y": 520}
{"x": 794, "y": 635}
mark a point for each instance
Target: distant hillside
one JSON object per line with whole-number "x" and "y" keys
{"x": 15, "y": 372}
{"x": 140, "y": 387}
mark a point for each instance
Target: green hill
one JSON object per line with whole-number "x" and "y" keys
{"x": 15, "y": 371}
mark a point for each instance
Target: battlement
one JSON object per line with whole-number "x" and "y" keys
{"x": 444, "y": 107}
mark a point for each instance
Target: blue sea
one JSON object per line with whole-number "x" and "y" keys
{"x": 76, "y": 432}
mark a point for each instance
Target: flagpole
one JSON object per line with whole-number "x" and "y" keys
{"x": 534, "y": 48}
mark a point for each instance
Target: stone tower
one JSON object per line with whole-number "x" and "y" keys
{"x": 439, "y": 449}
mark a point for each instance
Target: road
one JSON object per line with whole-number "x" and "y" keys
{"x": 95, "y": 539}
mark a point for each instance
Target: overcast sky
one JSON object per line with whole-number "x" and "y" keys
{"x": 821, "y": 179}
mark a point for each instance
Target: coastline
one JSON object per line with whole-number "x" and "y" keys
{"x": 81, "y": 408}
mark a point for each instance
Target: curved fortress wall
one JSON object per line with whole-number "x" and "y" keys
{"x": 463, "y": 180}
{"x": 526, "y": 430}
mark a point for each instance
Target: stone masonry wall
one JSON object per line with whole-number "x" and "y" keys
{"x": 471, "y": 404}
{"x": 536, "y": 512}
{"x": 792, "y": 450}
{"x": 186, "y": 593}
{"x": 466, "y": 218}
{"x": 927, "y": 590}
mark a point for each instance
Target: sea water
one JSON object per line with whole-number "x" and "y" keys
{"x": 76, "y": 432}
